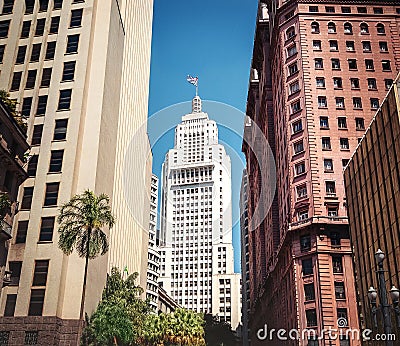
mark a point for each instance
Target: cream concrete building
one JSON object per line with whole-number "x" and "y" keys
{"x": 80, "y": 72}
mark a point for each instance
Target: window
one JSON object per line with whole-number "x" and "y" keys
{"x": 293, "y": 69}
{"x": 291, "y": 51}
{"x": 300, "y": 168}
{"x": 31, "y": 79}
{"x": 369, "y": 64}
{"x": 374, "y": 103}
{"x": 339, "y": 290}
{"x": 371, "y": 83}
{"x": 305, "y": 243}
{"x": 328, "y": 165}
{"x": 46, "y": 78}
{"x": 335, "y": 64}
{"x": 16, "y": 81}
{"x": 344, "y": 340}
{"x": 330, "y": 9}
{"x": 315, "y": 28}
{"x": 330, "y": 188}
{"x": 76, "y": 18}
{"x": 344, "y": 144}
{"x": 346, "y": 10}
{"x": 309, "y": 292}
{"x": 313, "y": 8}
{"x": 42, "y": 105}
{"x": 8, "y": 6}
{"x": 348, "y": 28}
{"x": 32, "y": 165}
{"x": 298, "y": 147}
{"x": 35, "y": 55}
{"x": 54, "y": 25}
{"x": 311, "y": 316}
{"x": 361, "y": 9}
{"x": 43, "y": 5}
{"x": 295, "y": 106}
{"x": 323, "y": 122}
{"x": 46, "y": 229}
{"x": 333, "y": 45}
{"x": 380, "y": 28}
{"x": 72, "y": 44}
{"x": 57, "y": 4}
{"x": 4, "y": 27}
{"x": 26, "y": 106}
{"x": 355, "y": 83}
{"x": 50, "y": 50}
{"x": 364, "y": 28}
{"x": 294, "y": 87}
{"x": 386, "y": 65}
{"x": 51, "y": 196}
{"x": 22, "y": 228}
{"x": 388, "y": 83}
{"x": 331, "y": 28}
{"x": 316, "y": 45}
{"x": 2, "y": 48}
{"x": 319, "y": 64}
{"x": 29, "y": 6}
{"x": 322, "y": 103}
{"x": 40, "y": 273}
{"x": 342, "y": 123}
{"x": 10, "y": 308}
{"x": 69, "y": 71}
{"x": 290, "y": 33}
{"x": 40, "y": 27}
{"x": 60, "y": 129}
{"x": 301, "y": 191}
{"x": 64, "y": 102}
{"x": 342, "y": 315}
{"x": 320, "y": 81}
{"x": 350, "y": 46}
{"x": 21, "y": 55}
{"x": 366, "y": 46}
{"x": 307, "y": 266}
{"x": 360, "y": 124}
{"x": 15, "y": 269}
{"x": 335, "y": 237}
{"x": 332, "y": 212}
{"x": 357, "y": 104}
{"x": 288, "y": 15}
{"x": 383, "y": 46}
{"x": 326, "y": 143}
{"x": 56, "y": 161}
{"x": 297, "y": 126}
{"x": 26, "y": 28}
{"x": 337, "y": 83}
{"x": 27, "y": 198}
{"x": 36, "y": 303}
{"x": 352, "y": 64}
{"x": 37, "y": 134}
{"x": 345, "y": 162}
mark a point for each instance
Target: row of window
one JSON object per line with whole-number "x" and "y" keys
{"x": 352, "y": 64}
{"x": 330, "y": 186}
{"x": 339, "y": 102}
{"x": 298, "y": 147}
{"x": 305, "y": 241}
{"x": 308, "y": 267}
{"x": 43, "y": 5}
{"x": 311, "y": 317}
{"x": 30, "y": 338}
{"x": 309, "y": 291}
{"x": 348, "y": 28}
{"x": 50, "y": 199}
{"x": 350, "y": 46}
{"x": 332, "y": 210}
{"x": 354, "y": 83}
{"x": 346, "y": 9}
{"x": 55, "y": 164}
{"x": 297, "y": 126}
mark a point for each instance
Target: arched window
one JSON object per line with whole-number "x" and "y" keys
{"x": 315, "y": 28}
{"x": 331, "y": 27}
{"x": 290, "y": 33}
{"x": 380, "y": 28}
{"x": 364, "y": 28}
{"x": 348, "y": 28}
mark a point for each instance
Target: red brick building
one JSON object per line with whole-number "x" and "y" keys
{"x": 319, "y": 72}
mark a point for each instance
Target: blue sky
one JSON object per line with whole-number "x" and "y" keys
{"x": 211, "y": 39}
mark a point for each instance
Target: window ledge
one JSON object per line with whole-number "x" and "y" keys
{"x": 45, "y": 242}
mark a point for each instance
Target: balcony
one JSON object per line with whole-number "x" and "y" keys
{"x": 6, "y": 228}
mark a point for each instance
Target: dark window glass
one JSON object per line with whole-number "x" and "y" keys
{"x": 26, "y": 106}
{"x": 15, "y": 269}
{"x": 40, "y": 273}
{"x": 31, "y": 338}
{"x": 36, "y": 303}
{"x": 50, "y": 50}
{"x": 346, "y": 10}
{"x": 337, "y": 264}
{"x": 57, "y": 4}
{"x": 16, "y": 81}
{"x": 37, "y": 134}
{"x": 4, "y": 27}
{"x": 352, "y": 64}
{"x": 10, "y": 306}
{"x": 32, "y": 165}
{"x": 307, "y": 266}
{"x": 8, "y": 6}
{"x": 305, "y": 243}
{"x": 309, "y": 292}
{"x": 339, "y": 290}
{"x": 36, "y": 52}
{"x": 21, "y": 55}
{"x": 54, "y": 25}
{"x": 64, "y": 102}
{"x": 361, "y": 9}
{"x": 60, "y": 129}
{"x": 51, "y": 196}
{"x": 311, "y": 316}
{"x": 342, "y": 314}
{"x": 46, "y": 229}
{"x": 386, "y": 65}
{"x": 40, "y": 26}
{"x": 27, "y": 198}
{"x": 42, "y": 105}
{"x": 2, "y": 48}
{"x": 26, "y": 28}
{"x": 69, "y": 71}
{"x": 72, "y": 44}
{"x": 46, "y": 77}
{"x": 29, "y": 6}
{"x": 56, "y": 161}
{"x": 43, "y": 5}
{"x": 76, "y": 18}
{"x": 30, "y": 81}
{"x": 335, "y": 239}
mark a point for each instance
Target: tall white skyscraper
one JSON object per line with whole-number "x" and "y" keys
{"x": 196, "y": 221}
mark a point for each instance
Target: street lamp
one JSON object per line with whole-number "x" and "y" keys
{"x": 384, "y": 304}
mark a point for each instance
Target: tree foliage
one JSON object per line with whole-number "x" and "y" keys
{"x": 12, "y": 108}
{"x": 218, "y": 332}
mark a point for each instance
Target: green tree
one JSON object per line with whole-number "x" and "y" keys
{"x": 5, "y": 204}
{"x": 218, "y": 332}
{"x": 81, "y": 223}
{"x": 12, "y": 108}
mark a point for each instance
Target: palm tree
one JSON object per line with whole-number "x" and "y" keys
{"x": 81, "y": 222}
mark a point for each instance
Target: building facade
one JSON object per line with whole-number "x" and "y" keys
{"x": 373, "y": 198}
{"x": 80, "y": 73}
{"x": 319, "y": 72}
{"x": 196, "y": 226}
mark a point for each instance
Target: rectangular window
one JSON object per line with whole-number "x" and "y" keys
{"x": 57, "y": 4}
{"x": 72, "y": 44}
{"x": 335, "y": 64}
{"x": 305, "y": 243}
{"x": 369, "y": 64}
{"x": 37, "y": 134}
{"x": 27, "y": 198}
{"x": 54, "y": 25}
{"x": 361, "y": 9}
{"x": 298, "y": 147}
{"x": 36, "y": 302}
{"x": 374, "y": 103}
{"x": 311, "y": 316}
{"x": 10, "y": 307}
{"x": 350, "y": 46}
{"x": 333, "y": 45}
{"x": 76, "y": 18}
{"x": 35, "y": 55}
{"x": 366, "y": 46}
{"x": 388, "y": 83}
{"x": 332, "y": 212}
{"x": 307, "y": 266}
{"x": 300, "y": 168}
{"x": 294, "y": 87}
{"x": 342, "y": 314}
{"x": 326, "y": 143}
{"x": 319, "y": 63}
{"x": 26, "y": 28}
{"x": 330, "y": 188}
{"x": 378, "y": 10}
{"x": 56, "y": 161}
{"x": 50, "y": 50}
{"x": 4, "y": 27}
{"x": 46, "y": 229}
{"x": 352, "y": 64}
{"x": 330, "y": 9}
{"x": 342, "y": 123}
{"x": 357, "y": 103}
{"x": 337, "y": 83}
{"x": 323, "y": 122}
{"x": 8, "y": 6}
{"x": 64, "y": 102}
{"x": 337, "y": 264}
{"x": 31, "y": 79}
{"x": 32, "y": 165}
{"x": 344, "y": 144}
{"x": 29, "y": 6}
{"x": 360, "y": 124}
{"x": 313, "y": 8}
{"x": 46, "y": 78}
{"x": 386, "y": 65}
{"x": 383, "y": 47}
{"x": 40, "y": 273}
{"x": 21, "y": 55}
{"x": 16, "y": 81}
{"x": 297, "y": 126}
{"x": 15, "y": 268}
{"x": 309, "y": 292}
{"x": 346, "y": 9}
{"x": 40, "y": 26}
{"x": 328, "y": 165}
{"x": 371, "y": 83}
{"x": 2, "y": 48}
{"x": 301, "y": 191}
{"x": 43, "y": 5}
{"x": 26, "y": 106}
{"x": 355, "y": 83}
{"x": 335, "y": 238}
{"x": 60, "y": 129}
{"x": 69, "y": 71}
{"x": 31, "y": 338}
{"x": 293, "y": 69}
{"x": 295, "y": 106}
{"x": 322, "y": 103}
{"x": 51, "y": 196}
{"x": 42, "y": 105}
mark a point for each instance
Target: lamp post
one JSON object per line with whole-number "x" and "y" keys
{"x": 384, "y": 304}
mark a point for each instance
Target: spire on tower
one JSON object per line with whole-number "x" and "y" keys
{"x": 196, "y": 104}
